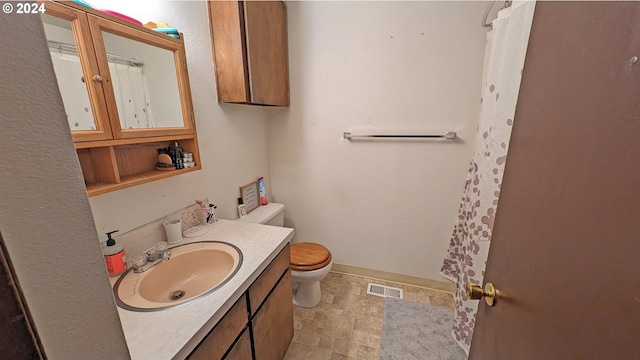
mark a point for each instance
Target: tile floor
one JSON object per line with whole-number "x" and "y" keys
{"x": 347, "y": 323}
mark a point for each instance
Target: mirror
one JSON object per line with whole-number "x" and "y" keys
{"x": 68, "y": 69}
{"x": 117, "y": 81}
{"x": 144, "y": 82}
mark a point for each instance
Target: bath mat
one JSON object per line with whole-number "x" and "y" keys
{"x": 415, "y": 331}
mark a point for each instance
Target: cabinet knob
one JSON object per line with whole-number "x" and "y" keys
{"x": 97, "y": 78}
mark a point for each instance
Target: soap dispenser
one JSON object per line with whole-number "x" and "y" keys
{"x": 114, "y": 256}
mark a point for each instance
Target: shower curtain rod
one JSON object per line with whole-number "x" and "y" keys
{"x": 72, "y": 48}
{"x": 486, "y": 13}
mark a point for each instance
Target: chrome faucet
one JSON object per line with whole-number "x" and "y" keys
{"x": 151, "y": 257}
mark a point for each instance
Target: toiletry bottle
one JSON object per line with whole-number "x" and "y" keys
{"x": 263, "y": 192}
{"x": 176, "y": 155}
{"x": 114, "y": 256}
{"x": 242, "y": 209}
{"x": 211, "y": 214}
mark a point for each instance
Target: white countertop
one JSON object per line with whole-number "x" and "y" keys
{"x": 174, "y": 332}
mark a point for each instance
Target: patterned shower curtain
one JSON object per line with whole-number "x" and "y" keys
{"x": 132, "y": 96}
{"x": 467, "y": 254}
{"x": 73, "y": 90}
{"x": 129, "y": 87}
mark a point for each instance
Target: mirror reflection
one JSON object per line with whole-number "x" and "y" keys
{"x": 145, "y": 83}
{"x": 68, "y": 69}
{"x": 143, "y": 78}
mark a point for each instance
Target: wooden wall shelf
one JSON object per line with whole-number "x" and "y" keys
{"x": 94, "y": 189}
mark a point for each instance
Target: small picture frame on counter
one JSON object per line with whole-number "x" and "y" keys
{"x": 250, "y": 196}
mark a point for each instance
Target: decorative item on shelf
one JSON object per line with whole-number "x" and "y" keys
{"x": 187, "y": 160}
{"x": 84, "y": 3}
{"x": 164, "y": 161}
{"x": 172, "y": 32}
{"x": 249, "y": 196}
{"x": 121, "y": 16}
{"x": 153, "y": 25}
{"x": 163, "y": 28}
{"x": 175, "y": 151}
{"x": 263, "y": 191}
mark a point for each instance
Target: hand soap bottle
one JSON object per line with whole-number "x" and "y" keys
{"x": 114, "y": 256}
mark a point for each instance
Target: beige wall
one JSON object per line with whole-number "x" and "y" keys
{"x": 385, "y": 66}
{"x": 45, "y": 217}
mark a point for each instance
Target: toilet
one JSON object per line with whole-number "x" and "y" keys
{"x": 310, "y": 262}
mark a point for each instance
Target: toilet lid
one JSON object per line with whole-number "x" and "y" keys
{"x": 307, "y": 256}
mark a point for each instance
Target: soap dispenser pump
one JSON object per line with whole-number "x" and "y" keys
{"x": 114, "y": 256}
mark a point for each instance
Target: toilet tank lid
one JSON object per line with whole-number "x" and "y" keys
{"x": 262, "y": 214}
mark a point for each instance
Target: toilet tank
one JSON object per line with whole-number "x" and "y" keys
{"x": 270, "y": 214}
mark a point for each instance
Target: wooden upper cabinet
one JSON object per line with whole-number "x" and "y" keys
{"x": 267, "y": 52}
{"x": 250, "y": 51}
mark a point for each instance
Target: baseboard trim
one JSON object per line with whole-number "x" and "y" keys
{"x": 398, "y": 278}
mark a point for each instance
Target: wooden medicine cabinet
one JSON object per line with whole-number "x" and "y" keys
{"x": 126, "y": 94}
{"x": 250, "y": 51}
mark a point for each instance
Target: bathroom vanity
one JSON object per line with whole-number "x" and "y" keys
{"x": 263, "y": 313}
{"x": 250, "y": 317}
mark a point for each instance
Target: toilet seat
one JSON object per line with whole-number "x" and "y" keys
{"x": 306, "y": 256}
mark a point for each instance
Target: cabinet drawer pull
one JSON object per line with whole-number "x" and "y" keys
{"x": 97, "y": 78}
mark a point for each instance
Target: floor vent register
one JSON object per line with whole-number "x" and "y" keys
{"x": 384, "y": 291}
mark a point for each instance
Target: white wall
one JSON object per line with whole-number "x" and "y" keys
{"x": 45, "y": 217}
{"x": 386, "y": 66}
{"x": 232, "y": 138}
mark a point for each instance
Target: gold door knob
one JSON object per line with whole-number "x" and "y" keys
{"x": 489, "y": 293}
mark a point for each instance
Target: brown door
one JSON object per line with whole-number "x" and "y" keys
{"x": 565, "y": 252}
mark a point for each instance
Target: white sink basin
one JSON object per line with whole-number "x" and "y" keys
{"x": 194, "y": 270}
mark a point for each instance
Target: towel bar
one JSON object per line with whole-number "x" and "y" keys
{"x": 450, "y": 135}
